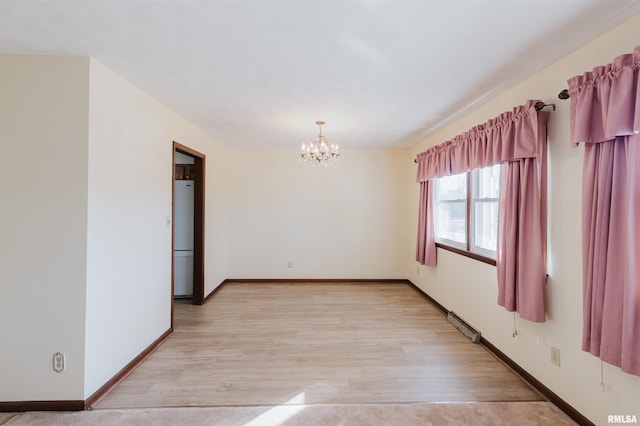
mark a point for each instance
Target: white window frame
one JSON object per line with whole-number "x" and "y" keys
{"x": 469, "y": 247}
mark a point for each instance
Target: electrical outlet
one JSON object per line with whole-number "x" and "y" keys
{"x": 555, "y": 356}
{"x": 418, "y": 270}
{"x": 58, "y": 362}
{"x": 290, "y": 264}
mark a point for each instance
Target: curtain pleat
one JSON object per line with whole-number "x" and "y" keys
{"x": 506, "y": 263}
{"x": 605, "y": 105}
{"x": 611, "y": 206}
{"x": 630, "y": 357}
{"x": 426, "y": 244}
{"x": 519, "y": 259}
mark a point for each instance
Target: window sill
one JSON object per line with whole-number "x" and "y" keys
{"x": 467, "y": 254}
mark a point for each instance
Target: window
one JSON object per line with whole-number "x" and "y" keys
{"x": 450, "y": 206}
{"x": 466, "y": 212}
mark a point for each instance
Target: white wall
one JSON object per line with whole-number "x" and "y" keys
{"x": 470, "y": 287}
{"x": 342, "y": 221}
{"x": 43, "y": 195}
{"x": 85, "y": 249}
{"x": 129, "y": 229}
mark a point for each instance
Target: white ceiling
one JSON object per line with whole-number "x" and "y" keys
{"x": 260, "y": 73}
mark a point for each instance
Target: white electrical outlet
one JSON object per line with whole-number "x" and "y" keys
{"x": 417, "y": 270}
{"x": 555, "y": 356}
{"x": 58, "y": 362}
{"x": 290, "y": 264}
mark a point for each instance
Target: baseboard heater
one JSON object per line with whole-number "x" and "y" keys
{"x": 471, "y": 333}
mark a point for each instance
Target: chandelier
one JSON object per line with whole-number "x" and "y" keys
{"x": 319, "y": 152}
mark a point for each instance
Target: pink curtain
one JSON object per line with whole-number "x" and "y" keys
{"x": 521, "y": 254}
{"x": 516, "y": 139}
{"x": 426, "y": 245}
{"x": 605, "y": 116}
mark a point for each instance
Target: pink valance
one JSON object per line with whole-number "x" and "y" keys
{"x": 605, "y": 102}
{"x": 511, "y": 136}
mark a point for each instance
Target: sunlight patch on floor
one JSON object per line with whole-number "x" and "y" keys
{"x": 280, "y": 414}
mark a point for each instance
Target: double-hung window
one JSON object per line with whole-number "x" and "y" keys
{"x": 466, "y": 212}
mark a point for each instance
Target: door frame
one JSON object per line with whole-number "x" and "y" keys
{"x": 198, "y": 221}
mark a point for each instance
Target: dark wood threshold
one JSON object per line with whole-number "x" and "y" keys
{"x": 126, "y": 370}
{"x": 547, "y": 393}
{"x": 20, "y": 406}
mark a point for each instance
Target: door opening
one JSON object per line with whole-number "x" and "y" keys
{"x": 187, "y": 242}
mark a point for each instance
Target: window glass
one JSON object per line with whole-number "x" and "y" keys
{"x": 479, "y": 232}
{"x": 452, "y": 187}
{"x": 485, "y": 234}
{"x": 451, "y": 221}
{"x": 487, "y": 182}
{"x": 451, "y": 208}
{"x": 485, "y": 195}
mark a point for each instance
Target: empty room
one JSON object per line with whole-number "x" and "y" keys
{"x": 342, "y": 212}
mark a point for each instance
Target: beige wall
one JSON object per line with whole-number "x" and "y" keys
{"x": 129, "y": 221}
{"x": 43, "y": 221}
{"x": 342, "y": 221}
{"x": 470, "y": 287}
{"x": 85, "y": 167}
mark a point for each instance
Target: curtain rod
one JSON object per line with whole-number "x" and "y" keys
{"x": 538, "y": 106}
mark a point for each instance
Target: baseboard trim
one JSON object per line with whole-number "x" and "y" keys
{"x": 20, "y": 406}
{"x": 126, "y": 370}
{"x": 79, "y": 405}
{"x": 429, "y": 299}
{"x": 547, "y": 393}
{"x": 537, "y": 385}
{"x": 316, "y": 280}
{"x": 214, "y": 291}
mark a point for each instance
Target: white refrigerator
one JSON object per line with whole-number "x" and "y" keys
{"x": 183, "y": 239}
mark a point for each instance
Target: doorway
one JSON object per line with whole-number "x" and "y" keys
{"x": 194, "y": 174}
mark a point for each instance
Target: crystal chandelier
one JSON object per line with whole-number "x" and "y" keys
{"x": 319, "y": 152}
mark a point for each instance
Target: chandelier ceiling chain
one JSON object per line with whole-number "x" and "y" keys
{"x": 319, "y": 152}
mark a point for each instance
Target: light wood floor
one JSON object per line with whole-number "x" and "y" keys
{"x": 291, "y": 343}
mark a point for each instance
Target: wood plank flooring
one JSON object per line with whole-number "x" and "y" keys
{"x": 292, "y": 343}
